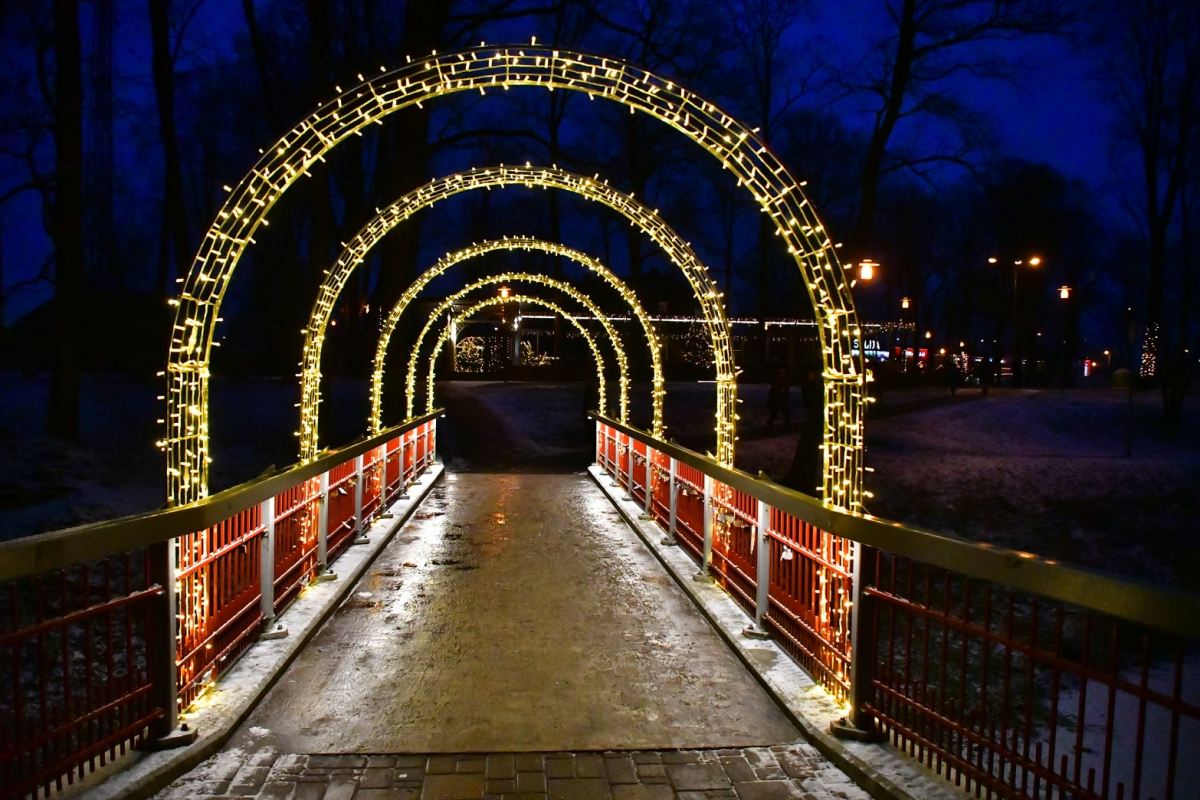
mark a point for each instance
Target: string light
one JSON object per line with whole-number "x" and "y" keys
{"x": 648, "y": 221}
{"x": 523, "y": 243}
{"x": 738, "y": 148}
{"x": 457, "y": 322}
{"x": 410, "y": 382}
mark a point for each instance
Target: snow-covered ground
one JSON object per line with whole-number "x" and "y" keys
{"x": 1041, "y": 471}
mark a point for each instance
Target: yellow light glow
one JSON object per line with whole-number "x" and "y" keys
{"x": 866, "y": 269}
{"x": 457, "y": 322}
{"x": 506, "y": 296}
{"x": 515, "y": 243}
{"x": 1064, "y": 292}
{"x": 355, "y": 252}
{"x": 736, "y": 146}
{"x": 904, "y": 303}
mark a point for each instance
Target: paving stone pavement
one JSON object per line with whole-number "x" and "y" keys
{"x": 757, "y": 773}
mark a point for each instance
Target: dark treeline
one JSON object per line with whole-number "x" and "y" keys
{"x": 120, "y": 124}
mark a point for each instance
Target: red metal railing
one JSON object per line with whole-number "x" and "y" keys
{"x": 1011, "y": 695}
{"x": 84, "y": 645}
{"x": 218, "y": 578}
{"x": 343, "y": 483}
{"x": 74, "y": 684}
{"x": 1058, "y": 684}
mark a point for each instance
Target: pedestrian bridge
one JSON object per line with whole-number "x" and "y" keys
{"x": 601, "y": 633}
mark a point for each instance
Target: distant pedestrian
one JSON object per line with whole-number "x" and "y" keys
{"x": 779, "y": 399}
{"x": 953, "y": 375}
{"x": 987, "y": 372}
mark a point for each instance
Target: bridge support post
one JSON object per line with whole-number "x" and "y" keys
{"x": 762, "y": 575}
{"x": 358, "y": 496}
{"x": 323, "y": 526}
{"x": 383, "y": 482}
{"x": 403, "y": 478}
{"x": 649, "y": 504}
{"x": 705, "y": 574}
{"x": 160, "y": 647}
{"x": 629, "y": 465}
{"x": 267, "y": 562}
{"x": 859, "y": 724}
{"x": 673, "y": 514}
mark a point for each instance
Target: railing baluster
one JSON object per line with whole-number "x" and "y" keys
{"x": 267, "y": 603}
{"x": 649, "y": 491}
{"x": 359, "y": 527}
{"x": 323, "y": 526}
{"x": 160, "y": 645}
{"x": 705, "y": 573}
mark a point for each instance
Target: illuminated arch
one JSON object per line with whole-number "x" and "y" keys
{"x": 517, "y": 298}
{"x": 511, "y": 277}
{"x": 521, "y": 243}
{"x": 647, "y": 220}
{"x": 737, "y": 147}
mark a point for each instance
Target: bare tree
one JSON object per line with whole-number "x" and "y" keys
{"x": 175, "y": 239}
{"x": 908, "y": 76}
{"x": 1153, "y": 66}
{"x": 62, "y": 419}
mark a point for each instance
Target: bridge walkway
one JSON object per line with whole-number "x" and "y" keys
{"x": 516, "y": 639}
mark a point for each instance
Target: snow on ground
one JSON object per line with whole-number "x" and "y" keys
{"x": 1042, "y": 471}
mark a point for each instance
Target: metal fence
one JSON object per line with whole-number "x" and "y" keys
{"x": 107, "y": 631}
{"x": 1010, "y": 675}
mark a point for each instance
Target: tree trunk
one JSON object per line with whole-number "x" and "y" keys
{"x": 62, "y": 420}
{"x": 164, "y": 89}
{"x": 402, "y": 169}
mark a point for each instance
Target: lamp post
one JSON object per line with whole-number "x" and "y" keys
{"x": 904, "y": 304}
{"x": 1032, "y": 261}
{"x": 1064, "y": 293}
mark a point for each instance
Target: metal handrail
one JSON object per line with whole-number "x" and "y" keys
{"x": 41, "y": 553}
{"x": 1172, "y": 611}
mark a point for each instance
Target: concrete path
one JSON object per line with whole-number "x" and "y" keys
{"x": 517, "y": 616}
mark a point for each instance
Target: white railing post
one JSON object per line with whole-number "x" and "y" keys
{"x": 705, "y": 573}
{"x": 383, "y": 481}
{"x": 358, "y": 494}
{"x": 599, "y": 444}
{"x": 160, "y": 645}
{"x": 629, "y": 465}
{"x": 649, "y": 504}
{"x": 614, "y": 467}
{"x": 859, "y": 724}
{"x": 404, "y": 445}
{"x": 673, "y": 512}
{"x": 360, "y": 528}
{"x": 323, "y": 526}
{"x": 762, "y": 574}
{"x": 267, "y": 561}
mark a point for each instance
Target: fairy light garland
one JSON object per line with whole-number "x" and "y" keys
{"x": 529, "y": 244}
{"x": 736, "y": 146}
{"x": 410, "y": 382}
{"x": 518, "y": 298}
{"x": 647, "y": 220}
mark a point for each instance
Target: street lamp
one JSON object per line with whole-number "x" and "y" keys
{"x": 1032, "y": 261}
{"x": 866, "y": 269}
{"x": 1064, "y": 292}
